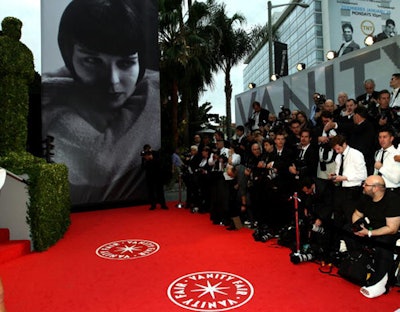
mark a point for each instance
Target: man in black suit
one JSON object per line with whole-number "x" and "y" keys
{"x": 306, "y": 161}
{"x": 364, "y": 137}
{"x": 151, "y": 163}
{"x": 293, "y": 137}
{"x": 388, "y": 32}
{"x": 348, "y": 45}
{"x": 259, "y": 117}
{"x": 370, "y": 97}
{"x": 283, "y": 158}
{"x": 344, "y": 124}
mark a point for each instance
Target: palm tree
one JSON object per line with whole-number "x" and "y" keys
{"x": 187, "y": 62}
{"x": 235, "y": 44}
{"x": 173, "y": 56}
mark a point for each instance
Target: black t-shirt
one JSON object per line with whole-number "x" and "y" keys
{"x": 377, "y": 212}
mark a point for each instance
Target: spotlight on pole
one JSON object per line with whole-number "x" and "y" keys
{"x": 269, "y": 30}
{"x": 331, "y": 54}
{"x": 300, "y": 66}
{"x": 275, "y": 77}
{"x": 369, "y": 40}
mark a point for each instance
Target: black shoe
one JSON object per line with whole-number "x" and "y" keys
{"x": 164, "y": 207}
{"x": 152, "y": 208}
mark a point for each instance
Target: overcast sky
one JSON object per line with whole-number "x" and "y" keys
{"x": 28, "y": 11}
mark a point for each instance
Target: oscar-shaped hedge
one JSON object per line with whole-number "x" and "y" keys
{"x": 48, "y": 210}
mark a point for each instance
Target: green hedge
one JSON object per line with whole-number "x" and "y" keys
{"x": 48, "y": 213}
{"x": 49, "y": 204}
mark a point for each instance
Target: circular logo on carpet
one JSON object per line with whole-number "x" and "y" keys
{"x": 210, "y": 291}
{"x": 127, "y": 249}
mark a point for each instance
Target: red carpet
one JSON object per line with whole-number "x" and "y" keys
{"x": 12, "y": 249}
{"x": 72, "y": 277}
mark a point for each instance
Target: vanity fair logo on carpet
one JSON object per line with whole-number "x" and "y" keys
{"x": 210, "y": 291}
{"x": 127, "y": 249}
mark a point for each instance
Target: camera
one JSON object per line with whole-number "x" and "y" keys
{"x": 384, "y": 114}
{"x": 250, "y": 123}
{"x": 321, "y": 99}
{"x": 144, "y": 153}
{"x": 262, "y": 234}
{"x": 356, "y": 226}
{"x": 318, "y": 229}
{"x": 298, "y": 257}
{"x": 271, "y": 174}
{"x": 284, "y": 114}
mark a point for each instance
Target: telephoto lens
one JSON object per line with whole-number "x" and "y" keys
{"x": 318, "y": 229}
{"x": 296, "y": 258}
{"x": 265, "y": 237}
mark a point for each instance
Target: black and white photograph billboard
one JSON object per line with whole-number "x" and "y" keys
{"x": 100, "y": 93}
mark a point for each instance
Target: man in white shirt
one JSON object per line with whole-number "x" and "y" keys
{"x": 349, "y": 175}
{"x": 385, "y": 165}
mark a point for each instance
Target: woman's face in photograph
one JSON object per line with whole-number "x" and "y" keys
{"x": 114, "y": 76}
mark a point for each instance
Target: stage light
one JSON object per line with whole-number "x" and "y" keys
{"x": 331, "y": 54}
{"x": 300, "y": 66}
{"x": 270, "y": 33}
{"x": 369, "y": 40}
{"x": 275, "y": 77}
{"x": 252, "y": 85}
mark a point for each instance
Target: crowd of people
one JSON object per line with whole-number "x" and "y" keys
{"x": 342, "y": 159}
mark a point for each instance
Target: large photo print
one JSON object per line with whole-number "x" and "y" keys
{"x": 100, "y": 93}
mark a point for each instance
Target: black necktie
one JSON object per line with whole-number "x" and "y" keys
{"x": 341, "y": 165}
{"x": 382, "y": 155}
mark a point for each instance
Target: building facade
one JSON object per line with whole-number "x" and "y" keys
{"x": 311, "y": 32}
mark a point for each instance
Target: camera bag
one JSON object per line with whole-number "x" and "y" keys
{"x": 357, "y": 265}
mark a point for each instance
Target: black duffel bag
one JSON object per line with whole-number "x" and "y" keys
{"x": 357, "y": 266}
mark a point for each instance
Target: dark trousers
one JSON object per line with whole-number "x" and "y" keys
{"x": 219, "y": 198}
{"x": 156, "y": 192}
{"x": 343, "y": 211}
{"x": 383, "y": 253}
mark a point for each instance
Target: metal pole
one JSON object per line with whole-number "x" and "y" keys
{"x": 179, "y": 204}
{"x": 270, "y": 66}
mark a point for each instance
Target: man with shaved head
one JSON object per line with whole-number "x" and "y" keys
{"x": 380, "y": 211}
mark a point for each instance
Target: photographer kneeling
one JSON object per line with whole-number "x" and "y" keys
{"x": 381, "y": 213}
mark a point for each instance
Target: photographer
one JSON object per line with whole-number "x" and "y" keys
{"x": 326, "y": 163}
{"x": 256, "y": 173}
{"x": 259, "y": 117}
{"x": 381, "y": 213}
{"x": 219, "y": 189}
{"x": 192, "y": 161}
{"x": 151, "y": 164}
{"x": 317, "y": 216}
{"x": 369, "y": 98}
{"x": 383, "y": 115}
{"x": 315, "y": 111}
{"x": 306, "y": 161}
